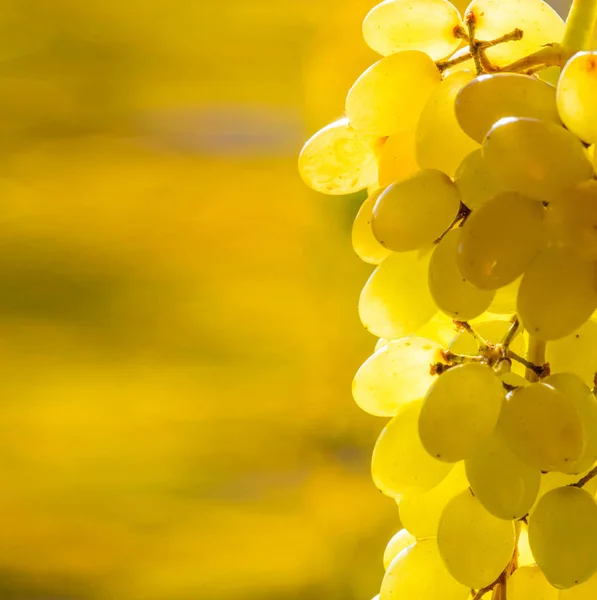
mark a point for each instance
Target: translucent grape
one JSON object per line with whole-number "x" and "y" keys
{"x": 441, "y": 143}
{"x": 542, "y": 427}
{"x": 337, "y": 160}
{"x": 474, "y": 182}
{"x": 554, "y": 480}
{"x": 563, "y": 536}
{"x": 420, "y": 514}
{"x": 557, "y": 294}
{"x": 451, "y": 292}
{"x": 397, "y": 159}
{"x": 414, "y": 212}
{"x": 529, "y": 583}
{"x": 364, "y": 243}
{"x": 535, "y": 158}
{"x": 396, "y": 374}
{"x": 400, "y": 466}
{"x": 475, "y": 545}
{"x": 377, "y": 103}
{"x": 418, "y": 572}
{"x": 461, "y": 409}
{"x": 489, "y": 98}
{"x": 396, "y": 301}
{"x": 584, "y": 591}
{"x": 539, "y": 22}
{"x": 439, "y": 329}
{"x": 500, "y": 239}
{"x": 396, "y": 545}
{"x": 505, "y": 485}
{"x": 427, "y": 25}
{"x": 577, "y": 90}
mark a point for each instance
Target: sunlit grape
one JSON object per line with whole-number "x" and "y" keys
{"x": 397, "y": 158}
{"x": 475, "y": 183}
{"x": 364, "y": 243}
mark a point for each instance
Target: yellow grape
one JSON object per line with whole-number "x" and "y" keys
{"x": 489, "y": 98}
{"x": 364, "y": 243}
{"x": 571, "y": 220}
{"x": 525, "y": 555}
{"x": 475, "y": 183}
{"x": 419, "y": 573}
{"x": 420, "y": 514}
{"x": 414, "y": 212}
{"x": 500, "y": 239}
{"x": 379, "y": 104}
{"x": 554, "y": 480}
{"x": 452, "y": 294}
{"x": 396, "y": 374}
{"x": 400, "y": 466}
{"x": 439, "y": 329}
{"x": 576, "y": 353}
{"x": 337, "y": 160}
{"x": 441, "y": 143}
{"x": 504, "y": 302}
{"x": 396, "y": 545}
{"x": 584, "y": 591}
{"x": 535, "y": 158}
{"x": 563, "y": 536}
{"x": 577, "y": 90}
{"x": 397, "y": 158}
{"x": 505, "y": 485}
{"x": 453, "y": 422}
{"x": 427, "y": 25}
{"x": 539, "y": 22}
{"x": 475, "y": 545}
{"x": 529, "y": 583}
{"x": 396, "y": 301}
{"x": 542, "y": 427}
{"x": 557, "y": 294}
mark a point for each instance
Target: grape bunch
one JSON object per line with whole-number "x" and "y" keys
{"x": 474, "y": 136}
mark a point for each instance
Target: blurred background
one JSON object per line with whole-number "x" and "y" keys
{"x": 178, "y": 325}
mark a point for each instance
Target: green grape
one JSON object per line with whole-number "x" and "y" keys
{"x": 396, "y": 545}
{"x": 440, "y": 142}
{"x": 577, "y": 90}
{"x": 420, "y": 513}
{"x": 337, "y": 160}
{"x": 571, "y": 220}
{"x": 474, "y": 182}
{"x": 400, "y": 466}
{"x": 525, "y": 555}
{"x": 414, "y": 212}
{"x": 504, "y": 302}
{"x": 397, "y": 158}
{"x": 542, "y": 427}
{"x": 475, "y": 545}
{"x": 529, "y": 583}
{"x": 505, "y": 485}
{"x": 584, "y": 591}
{"x": 557, "y": 294}
{"x": 489, "y": 98}
{"x": 576, "y": 353}
{"x": 586, "y": 404}
{"x": 439, "y": 329}
{"x": 396, "y": 301}
{"x": 535, "y": 158}
{"x": 453, "y": 421}
{"x": 493, "y": 18}
{"x": 451, "y": 292}
{"x": 364, "y": 243}
{"x": 377, "y": 103}
{"x": 500, "y": 239}
{"x": 427, "y": 25}
{"x": 419, "y": 573}
{"x": 563, "y": 536}
{"x": 396, "y": 374}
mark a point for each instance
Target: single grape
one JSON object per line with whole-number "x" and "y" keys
{"x": 440, "y": 143}
{"x": 400, "y": 465}
{"x": 364, "y": 243}
{"x": 475, "y": 183}
{"x": 396, "y": 374}
{"x": 401, "y": 540}
{"x": 461, "y": 409}
{"x": 377, "y": 103}
{"x": 337, "y": 160}
{"x": 475, "y": 545}
{"x": 427, "y": 25}
{"x": 557, "y": 294}
{"x": 414, "y": 212}
{"x": 529, "y": 583}
{"x": 542, "y": 427}
{"x": 397, "y": 158}
{"x": 535, "y": 158}
{"x": 563, "y": 536}
{"x": 577, "y": 90}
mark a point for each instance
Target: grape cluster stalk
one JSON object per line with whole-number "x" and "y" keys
{"x": 475, "y": 137}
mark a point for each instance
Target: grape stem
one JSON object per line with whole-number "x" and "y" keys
{"x": 590, "y": 475}
{"x": 539, "y": 371}
{"x": 535, "y": 356}
{"x": 579, "y": 25}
